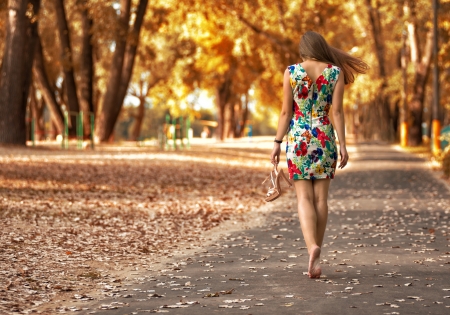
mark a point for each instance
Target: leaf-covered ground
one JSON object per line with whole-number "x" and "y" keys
{"x": 386, "y": 251}
{"x": 69, "y": 219}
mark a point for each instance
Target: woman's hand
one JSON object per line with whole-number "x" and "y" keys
{"x": 344, "y": 156}
{"x": 275, "y": 155}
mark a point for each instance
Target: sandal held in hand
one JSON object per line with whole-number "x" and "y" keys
{"x": 275, "y": 190}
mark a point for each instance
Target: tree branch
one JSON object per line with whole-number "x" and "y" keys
{"x": 285, "y": 44}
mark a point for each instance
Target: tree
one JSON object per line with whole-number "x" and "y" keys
{"x": 421, "y": 58}
{"x": 444, "y": 59}
{"x": 381, "y": 100}
{"x": 121, "y": 69}
{"x": 86, "y": 66}
{"x": 67, "y": 63}
{"x": 42, "y": 81}
{"x": 235, "y": 50}
{"x": 37, "y": 113}
{"x": 130, "y": 53}
{"x": 108, "y": 111}
{"x": 16, "y": 69}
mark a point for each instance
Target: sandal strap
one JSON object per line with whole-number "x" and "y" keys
{"x": 274, "y": 173}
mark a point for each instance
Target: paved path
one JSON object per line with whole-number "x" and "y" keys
{"x": 387, "y": 252}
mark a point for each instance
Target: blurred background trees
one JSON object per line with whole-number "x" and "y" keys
{"x": 219, "y": 62}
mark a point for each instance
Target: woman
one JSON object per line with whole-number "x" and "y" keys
{"x": 310, "y": 88}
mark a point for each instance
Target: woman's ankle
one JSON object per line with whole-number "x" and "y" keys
{"x": 312, "y": 248}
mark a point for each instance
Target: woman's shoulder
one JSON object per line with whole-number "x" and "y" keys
{"x": 294, "y": 67}
{"x": 332, "y": 71}
{"x": 334, "y": 67}
{"x": 296, "y": 74}
{"x": 296, "y": 71}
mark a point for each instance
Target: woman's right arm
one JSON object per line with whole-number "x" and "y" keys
{"x": 285, "y": 117}
{"x": 338, "y": 118}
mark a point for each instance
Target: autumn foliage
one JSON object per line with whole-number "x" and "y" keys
{"x": 69, "y": 221}
{"x": 90, "y": 55}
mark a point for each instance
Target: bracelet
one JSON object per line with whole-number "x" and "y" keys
{"x": 278, "y": 141}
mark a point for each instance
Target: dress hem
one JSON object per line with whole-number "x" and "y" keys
{"x": 309, "y": 178}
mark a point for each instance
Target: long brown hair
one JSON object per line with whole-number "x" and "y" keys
{"x": 314, "y": 46}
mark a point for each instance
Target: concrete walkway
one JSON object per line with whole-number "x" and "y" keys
{"x": 386, "y": 251}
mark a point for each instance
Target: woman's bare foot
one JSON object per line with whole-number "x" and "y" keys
{"x": 314, "y": 270}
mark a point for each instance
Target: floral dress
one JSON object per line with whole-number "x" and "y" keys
{"x": 311, "y": 148}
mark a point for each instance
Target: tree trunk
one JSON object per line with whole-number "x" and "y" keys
{"x": 130, "y": 54}
{"x": 223, "y": 98}
{"x": 416, "y": 105}
{"x": 67, "y": 63}
{"x": 232, "y": 113}
{"x": 244, "y": 116}
{"x": 375, "y": 24}
{"x": 403, "y": 120}
{"x": 45, "y": 88}
{"x": 139, "y": 118}
{"x": 382, "y": 100}
{"x": 30, "y": 45}
{"x": 237, "y": 118}
{"x": 14, "y": 75}
{"x": 86, "y": 68}
{"x": 109, "y": 110}
{"x": 223, "y": 94}
{"x": 220, "y": 116}
{"x": 422, "y": 67}
{"x": 37, "y": 113}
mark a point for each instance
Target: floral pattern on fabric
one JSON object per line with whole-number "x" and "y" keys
{"x": 311, "y": 148}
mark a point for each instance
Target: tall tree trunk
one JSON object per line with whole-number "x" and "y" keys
{"x": 220, "y": 115}
{"x": 67, "y": 63}
{"x": 239, "y": 111}
{"x": 382, "y": 100}
{"x": 44, "y": 86}
{"x": 416, "y": 104}
{"x": 37, "y": 111}
{"x": 244, "y": 116}
{"x": 223, "y": 99}
{"x": 15, "y": 70}
{"x": 130, "y": 54}
{"x": 237, "y": 118}
{"x": 139, "y": 118}
{"x": 40, "y": 121}
{"x": 86, "y": 68}
{"x": 403, "y": 119}
{"x": 30, "y": 44}
{"x": 107, "y": 116}
{"x": 231, "y": 123}
{"x": 375, "y": 24}
{"x": 223, "y": 94}
{"x": 422, "y": 61}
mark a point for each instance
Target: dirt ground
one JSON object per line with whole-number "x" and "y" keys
{"x": 71, "y": 219}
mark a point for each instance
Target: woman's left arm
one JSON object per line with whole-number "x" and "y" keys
{"x": 285, "y": 117}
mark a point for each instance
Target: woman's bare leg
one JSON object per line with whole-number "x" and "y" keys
{"x": 320, "y": 187}
{"x": 306, "y": 211}
{"x": 313, "y": 214}
{"x": 308, "y": 222}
